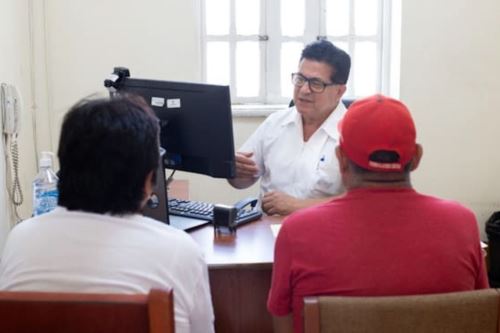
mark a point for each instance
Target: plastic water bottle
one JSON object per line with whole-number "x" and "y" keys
{"x": 45, "y": 191}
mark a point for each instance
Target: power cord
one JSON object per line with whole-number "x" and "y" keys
{"x": 170, "y": 178}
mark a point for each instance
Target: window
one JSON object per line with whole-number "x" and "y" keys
{"x": 254, "y": 45}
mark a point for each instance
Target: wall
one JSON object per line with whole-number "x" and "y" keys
{"x": 155, "y": 39}
{"x": 449, "y": 78}
{"x": 449, "y": 73}
{"x": 86, "y": 39}
{"x": 15, "y": 69}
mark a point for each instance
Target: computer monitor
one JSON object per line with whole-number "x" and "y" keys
{"x": 195, "y": 120}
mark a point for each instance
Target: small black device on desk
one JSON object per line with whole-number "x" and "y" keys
{"x": 242, "y": 212}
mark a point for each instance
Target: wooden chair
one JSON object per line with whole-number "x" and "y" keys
{"x": 23, "y": 312}
{"x": 458, "y": 312}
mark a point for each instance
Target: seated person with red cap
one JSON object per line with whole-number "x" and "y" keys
{"x": 382, "y": 237}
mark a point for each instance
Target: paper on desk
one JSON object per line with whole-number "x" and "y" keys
{"x": 275, "y": 228}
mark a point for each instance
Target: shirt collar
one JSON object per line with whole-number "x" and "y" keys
{"x": 329, "y": 125}
{"x": 292, "y": 117}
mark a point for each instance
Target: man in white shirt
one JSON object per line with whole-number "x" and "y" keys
{"x": 96, "y": 240}
{"x": 293, "y": 151}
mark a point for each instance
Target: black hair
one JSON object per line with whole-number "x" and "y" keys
{"x": 106, "y": 150}
{"x": 324, "y": 51}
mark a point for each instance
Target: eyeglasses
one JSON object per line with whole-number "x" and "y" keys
{"x": 316, "y": 85}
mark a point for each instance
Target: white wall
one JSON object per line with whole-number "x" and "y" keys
{"x": 449, "y": 71}
{"x": 154, "y": 39}
{"x": 450, "y": 79}
{"x": 15, "y": 69}
{"x": 86, "y": 39}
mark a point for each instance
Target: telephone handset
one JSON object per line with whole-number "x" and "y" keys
{"x": 246, "y": 204}
{"x": 231, "y": 217}
{"x": 10, "y": 108}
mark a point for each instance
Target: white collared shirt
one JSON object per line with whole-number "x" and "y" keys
{"x": 288, "y": 164}
{"x": 75, "y": 251}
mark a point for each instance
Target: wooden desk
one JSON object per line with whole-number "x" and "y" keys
{"x": 240, "y": 275}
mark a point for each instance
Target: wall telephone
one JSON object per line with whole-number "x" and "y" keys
{"x": 10, "y": 105}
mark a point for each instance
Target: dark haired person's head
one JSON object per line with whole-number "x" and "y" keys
{"x": 377, "y": 142}
{"x": 108, "y": 155}
{"x": 320, "y": 81}
{"x": 324, "y": 51}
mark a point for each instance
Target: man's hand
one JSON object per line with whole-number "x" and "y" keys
{"x": 247, "y": 171}
{"x": 245, "y": 165}
{"x": 279, "y": 203}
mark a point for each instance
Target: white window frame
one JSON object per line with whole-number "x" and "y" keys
{"x": 270, "y": 42}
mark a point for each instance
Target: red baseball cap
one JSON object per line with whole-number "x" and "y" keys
{"x": 378, "y": 123}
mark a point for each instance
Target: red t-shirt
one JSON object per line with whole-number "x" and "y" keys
{"x": 373, "y": 242}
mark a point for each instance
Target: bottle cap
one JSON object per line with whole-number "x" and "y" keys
{"x": 46, "y": 159}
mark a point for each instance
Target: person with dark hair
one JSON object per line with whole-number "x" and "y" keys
{"x": 381, "y": 238}
{"x": 291, "y": 152}
{"x": 99, "y": 162}
{"x": 97, "y": 240}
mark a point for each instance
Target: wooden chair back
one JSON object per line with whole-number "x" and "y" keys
{"x": 458, "y": 312}
{"x": 23, "y": 312}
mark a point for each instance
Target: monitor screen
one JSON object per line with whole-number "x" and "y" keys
{"x": 195, "y": 119}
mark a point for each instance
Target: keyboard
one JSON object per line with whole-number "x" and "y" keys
{"x": 204, "y": 211}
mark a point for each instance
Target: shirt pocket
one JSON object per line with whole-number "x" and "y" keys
{"x": 327, "y": 180}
